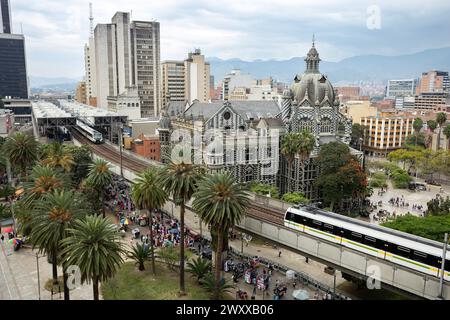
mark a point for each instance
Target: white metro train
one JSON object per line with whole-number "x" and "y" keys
{"x": 414, "y": 252}
{"x": 92, "y": 134}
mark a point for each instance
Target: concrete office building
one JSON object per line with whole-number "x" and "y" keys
{"x": 173, "y": 83}
{"x": 386, "y": 133}
{"x": 80, "y": 94}
{"x": 121, "y": 55}
{"x": 401, "y": 88}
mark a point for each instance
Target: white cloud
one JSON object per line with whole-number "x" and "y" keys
{"x": 56, "y": 30}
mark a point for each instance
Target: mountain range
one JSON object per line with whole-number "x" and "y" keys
{"x": 367, "y": 68}
{"x": 364, "y": 68}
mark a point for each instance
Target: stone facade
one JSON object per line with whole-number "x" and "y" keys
{"x": 250, "y": 132}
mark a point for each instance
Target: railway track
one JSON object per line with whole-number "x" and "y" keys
{"x": 256, "y": 210}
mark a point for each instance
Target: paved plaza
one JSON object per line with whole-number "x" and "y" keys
{"x": 410, "y": 197}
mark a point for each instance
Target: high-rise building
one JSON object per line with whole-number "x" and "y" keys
{"x": 5, "y": 17}
{"x": 13, "y": 68}
{"x": 186, "y": 80}
{"x": 197, "y": 77}
{"x": 173, "y": 84}
{"x": 121, "y": 55}
{"x": 434, "y": 82}
{"x": 145, "y": 52}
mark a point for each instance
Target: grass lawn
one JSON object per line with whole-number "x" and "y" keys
{"x": 366, "y": 294}
{"x": 132, "y": 284}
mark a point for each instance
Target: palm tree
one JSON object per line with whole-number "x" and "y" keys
{"x": 221, "y": 203}
{"x": 290, "y": 147}
{"x": 417, "y": 125}
{"x": 94, "y": 246}
{"x": 52, "y": 217}
{"x": 180, "y": 181}
{"x": 218, "y": 289}
{"x": 99, "y": 177}
{"x": 148, "y": 193}
{"x": 432, "y": 125}
{"x": 139, "y": 254}
{"x": 58, "y": 157}
{"x": 199, "y": 268}
{"x": 43, "y": 180}
{"x": 441, "y": 118}
{"x": 21, "y": 150}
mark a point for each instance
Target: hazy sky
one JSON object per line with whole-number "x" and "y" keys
{"x": 56, "y": 30}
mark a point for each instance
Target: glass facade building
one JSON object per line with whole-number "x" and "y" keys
{"x": 5, "y": 16}
{"x": 13, "y": 71}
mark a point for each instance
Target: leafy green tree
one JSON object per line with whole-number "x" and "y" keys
{"x": 199, "y": 268}
{"x": 5, "y": 212}
{"x": 217, "y": 288}
{"x": 418, "y": 140}
{"x": 99, "y": 178}
{"x": 341, "y": 176}
{"x": 221, "y": 203}
{"x": 431, "y": 227}
{"x": 295, "y": 198}
{"x": 53, "y": 215}
{"x": 139, "y": 254}
{"x": 147, "y": 192}
{"x": 180, "y": 181}
{"x": 432, "y": 125}
{"x": 265, "y": 190}
{"x": 438, "y": 206}
{"x": 82, "y": 157}
{"x": 417, "y": 125}
{"x": 401, "y": 179}
{"x": 94, "y": 246}
{"x": 21, "y": 150}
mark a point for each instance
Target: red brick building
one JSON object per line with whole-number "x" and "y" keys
{"x": 147, "y": 146}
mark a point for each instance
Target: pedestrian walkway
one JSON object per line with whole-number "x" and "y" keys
{"x": 289, "y": 258}
{"x": 19, "y": 277}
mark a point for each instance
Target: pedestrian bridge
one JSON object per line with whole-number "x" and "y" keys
{"x": 341, "y": 258}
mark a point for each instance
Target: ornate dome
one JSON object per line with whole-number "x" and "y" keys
{"x": 312, "y": 85}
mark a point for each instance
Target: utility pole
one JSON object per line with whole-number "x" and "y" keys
{"x": 444, "y": 253}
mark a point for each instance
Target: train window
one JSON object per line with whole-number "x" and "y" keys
{"x": 447, "y": 265}
{"x": 290, "y": 216}
{"x": 356, "y": 237}
{"x": 307, "y": 222}
{"x": 402, "y": 251}
{"x": 328, "y": 227}
{"x": 420, "y": 256}
{"x": 317, "y": 224}
{"x": 298, "y": 219}
{"x": 370, "y": 239}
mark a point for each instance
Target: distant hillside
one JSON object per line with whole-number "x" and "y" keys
{"x": 359, "y": 68}
{"x": 40, "y": 82}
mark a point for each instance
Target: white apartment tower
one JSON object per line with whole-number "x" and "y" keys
{"x": 197, "y": 77}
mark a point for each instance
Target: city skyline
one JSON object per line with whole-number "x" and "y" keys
{"x": 56, "y": 32}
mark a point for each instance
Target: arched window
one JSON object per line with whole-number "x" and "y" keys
{"x": 305, "y": 124}
{"x": 326, "y": 126}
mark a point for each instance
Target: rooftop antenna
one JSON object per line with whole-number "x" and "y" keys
{"x": 21, "y": 28}
{"x": 91, "y": 20}
{"x": 314, "y": 40}
{"x": 131, "y": 15}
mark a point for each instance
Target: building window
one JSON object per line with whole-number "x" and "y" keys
{"x": 305, "y": 124}
{"x": 326, "y": 126}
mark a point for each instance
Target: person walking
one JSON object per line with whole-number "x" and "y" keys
{"x": 279, "y": 254}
